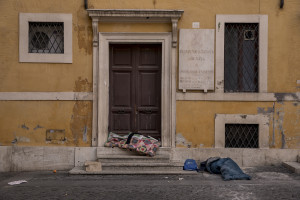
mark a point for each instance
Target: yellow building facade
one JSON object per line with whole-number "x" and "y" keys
{"x": 61, "y": 105}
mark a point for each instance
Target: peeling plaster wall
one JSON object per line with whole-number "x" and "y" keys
{"x": 195, "y": 122}
{"x": 25, "y": 122}
{"x": 287, "y": 125}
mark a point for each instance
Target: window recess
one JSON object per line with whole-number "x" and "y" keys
{"x": 241, "y": 58}
{"x": 45, "y": 37}
{"x": 241, "y": 136}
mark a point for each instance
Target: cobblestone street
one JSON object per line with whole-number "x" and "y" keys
{"x": 267, "y": 183}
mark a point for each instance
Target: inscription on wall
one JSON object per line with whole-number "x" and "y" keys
{"x": 196, "y": 59}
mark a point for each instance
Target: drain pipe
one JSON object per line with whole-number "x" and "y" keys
{"x": 86, "y": 4}
{"x": 281, "y": 3}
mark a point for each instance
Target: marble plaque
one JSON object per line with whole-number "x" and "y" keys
{"x": 196, "y": 59}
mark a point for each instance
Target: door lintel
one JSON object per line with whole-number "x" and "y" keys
{"x": 135, "y": 16}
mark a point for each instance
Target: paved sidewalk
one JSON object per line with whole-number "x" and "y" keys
{"x": 267, "y": 183}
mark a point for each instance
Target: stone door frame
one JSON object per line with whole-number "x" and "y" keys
{"x": 101, "y": 65}
{"x": 168, "y": 89}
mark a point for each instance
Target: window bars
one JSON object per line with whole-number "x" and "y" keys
{"x": 241, "y": 135}
{"x": 241, "y": 46}
{"x": 46, "y": 37}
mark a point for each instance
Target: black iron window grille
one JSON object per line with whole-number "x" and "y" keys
{"x": 241, "y": 44}
{"x": 241, "y": 135}
{"x": 46, "y": 37}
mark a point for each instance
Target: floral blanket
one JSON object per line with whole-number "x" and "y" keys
{"x": 134, "y": 142}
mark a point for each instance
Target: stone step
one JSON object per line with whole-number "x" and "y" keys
{"x": 81, "y": 171}
{"x": 293, "y": 166}
{"x": 121, "y": 166}
{"x": 133, "y": 158}
{"x": 118, "y": 151}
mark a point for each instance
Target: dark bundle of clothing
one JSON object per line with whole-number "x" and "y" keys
{"x": 224, "y": 166}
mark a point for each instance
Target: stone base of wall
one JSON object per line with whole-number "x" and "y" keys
{"x": 21, "y": 158}
{"x": 243, "y": 157}
{"x": 18, "y": 158}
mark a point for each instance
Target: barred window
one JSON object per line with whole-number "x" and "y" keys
{"x": 241, "y": 135}
{"x": 46, "y": 37}
{"x": 241, "y": 44}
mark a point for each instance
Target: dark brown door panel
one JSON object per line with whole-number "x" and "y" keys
{"x": 149, "y": 89}
{"x": 135, "y": 89}
{"x": 121, "y": 88}
{"x": 122, "y": 55}
{"x": 121, "y": 122}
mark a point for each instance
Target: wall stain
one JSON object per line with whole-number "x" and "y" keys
{"x": 81, "y": 121}
{"x": 24, "y": 126}
{"x": 279, "y": 122}
{"x": 286, "y": 96}
{"x": 37, "y": 127}
{"x": 23, "y": 139}
{"x": 283, "y": 140}
{"x": 220, "y": 82}
{"x": 81, "y": 118}
{"x": 181, "y": 141}
{"x": 84, "y": 36}
{"x": 55, "y": 135}
{"x": 82, "y": 85}
{"x": 15, "y": 141}
{"x": 154, "y": 3}
{"x": 20, "y": 139}
{"x": 84, "y": 137}
{"x": 273, "y": 124}
{"x": 244, "y": 116}
{"x": 261, "y": 110}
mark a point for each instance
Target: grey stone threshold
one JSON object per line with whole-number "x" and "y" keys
{"x": 81, "y": 171}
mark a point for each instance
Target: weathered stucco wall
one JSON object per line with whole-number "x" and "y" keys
{"x": 26, "y": 122}
{"x": 195, "y": 121}
{"x": 43, "y": 77}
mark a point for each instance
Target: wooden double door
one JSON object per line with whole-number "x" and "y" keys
{"x": 135, "y": 89}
